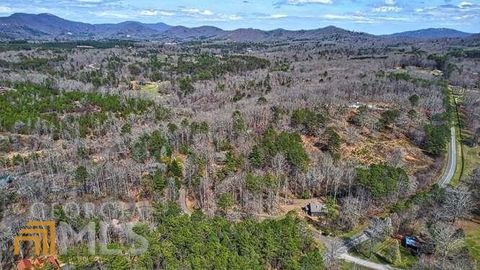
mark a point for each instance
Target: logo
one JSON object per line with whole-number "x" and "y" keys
{"x": 41, "y": 234}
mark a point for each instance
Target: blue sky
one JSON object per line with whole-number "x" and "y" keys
{"x": 377, "y": 16}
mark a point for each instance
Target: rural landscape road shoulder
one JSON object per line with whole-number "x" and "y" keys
{"x": 451, "y": 162}
{"x": 365, "y": 263}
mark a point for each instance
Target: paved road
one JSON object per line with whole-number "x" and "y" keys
{"x": 366, "y": 263}
{"x": 451, "y": 162}
{"x": 341, "y": 251}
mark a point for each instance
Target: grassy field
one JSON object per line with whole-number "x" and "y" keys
{"x": 351, "y": 266}
{"x": 472, "y": 238}
{"x": 472, "y": 159}
{"x": 365, "y": 251}
{"x": 471, "y": 155}
{"x": 151, "y": 88}
{"x": 355, "y": 231}
{"x": 458, "y": 169}
{"x": 471, "y": 162}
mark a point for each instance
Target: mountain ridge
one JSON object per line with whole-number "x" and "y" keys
{"x": 432, "y": 33}
{"x": 45, "y": 26}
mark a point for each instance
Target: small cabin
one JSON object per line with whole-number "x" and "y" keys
{"x": 437, "y": 73}
{"x": 315, "y": 209}
{"x": 412, "y": 243}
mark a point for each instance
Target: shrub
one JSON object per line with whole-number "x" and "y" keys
{"x": 226, "y": 201}
{"x": 157, "y": 145}
{"x": 334, "y": 142}
{"x": 199, "y": 128}
{"x": 186, "y": 86}
{"x": 81, "y": 174}
{"x": 436, "y": 139}
{"x": 139, "y": 151}
{"x": 271, "y": 143}
{"x": 381, "y": 180}
{"x": 175, "y": 169}
{"x": 134, "y": 69}
{"x": 388, "y": 117}
{"x": 239, "y": 125}
{"x": 414, "y": 100}
{"x": 126, "y": 128}
{"x": 253, "y": 183}
{"x": 159, "y": 181}
{"x": 4, "y": 144}
{"x": 308, "y": 121}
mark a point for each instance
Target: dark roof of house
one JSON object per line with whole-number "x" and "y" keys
{"x": 411, "y": 241}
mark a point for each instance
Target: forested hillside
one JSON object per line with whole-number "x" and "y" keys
{"x": 220, "y": 145}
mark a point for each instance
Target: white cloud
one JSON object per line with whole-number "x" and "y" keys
{"x": 89, "y": 1}
{"x": 399, "y": 19}
{"x": 278, "y": 16}
{"x": 222, "y": 18}
{"x": 112, "y": 14}
{"x": 234, "y": 17}
{"x": 465, "y": 11}
{"x": 4, "y": 9}
{"x": 196, "y": 11}
{"x": 465, "y": 4}
{"x": 390, "y": 2}
{"x": 206, "y": 15}
{"x": 149, "y": 12}
{"x": 166, "y": 13}
{"x": 386, "y": 9}
{"x": 354, "y": 18}
{"x": 464, "y": 17}
{"x": 154, "y": 12}
{"x": 302, "y": 2}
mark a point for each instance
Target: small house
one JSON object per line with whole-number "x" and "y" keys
{"x": 315, "y": 209}
{"x": 437, "y": 73}
{"x": 412, "y": 243}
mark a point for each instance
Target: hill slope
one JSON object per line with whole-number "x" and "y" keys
{"x": 432, "y": 33}
{"x": 49, "y": 27}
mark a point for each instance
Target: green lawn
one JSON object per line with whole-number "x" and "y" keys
{"x": 351, "y": 266}
{"x": 369, "y": 253}
{"x": 151, "y": 88}
{"x": 354, "y": 232}
{"x": 472, "y": 240}
{"x": 471, "y": 155}
{"x": 458, "y": 169}
{"x": 472, "y": 159}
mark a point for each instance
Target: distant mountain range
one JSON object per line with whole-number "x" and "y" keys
{"x": 432, "y": 33}
{"x": 21, "y": 26}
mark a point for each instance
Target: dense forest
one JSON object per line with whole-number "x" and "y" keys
{"x": 224, "y": 143}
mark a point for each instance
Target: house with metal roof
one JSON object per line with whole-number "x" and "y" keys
{"x": 315, "y": 209}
